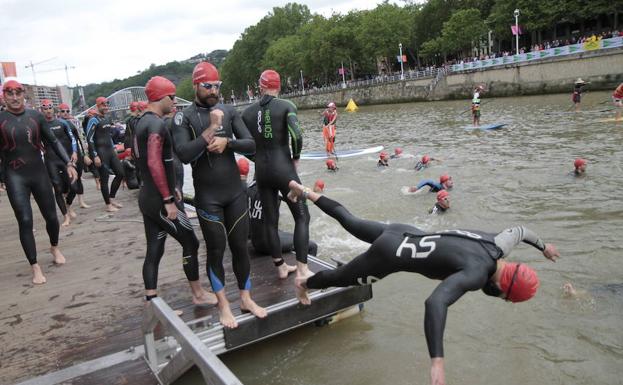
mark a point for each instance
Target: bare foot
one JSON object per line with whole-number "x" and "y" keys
{"x": 116, "y": 204}
{"x": 247, "y": 304}
{"x": 205, "y": 298}
{"x": 37, "y": 275}
{"x": 301, "y": 290}
{"x": 67, "y": 221}
{"x": 284, "y": 270}
{"x": 111, "y": 209}
{"x": 72, "y": 213}
{"x": 226, "y": 317}
{"x": 84, "y": 205}
{"x": 59, "y": 258}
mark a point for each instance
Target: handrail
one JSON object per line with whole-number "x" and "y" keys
{"x": 192, "y": 350}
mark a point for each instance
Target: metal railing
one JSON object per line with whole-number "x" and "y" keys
{"x": 192, "y": 350}
{"x": 408, "y": 75}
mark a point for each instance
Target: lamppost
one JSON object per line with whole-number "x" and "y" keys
{"x": 402, "y": 72}
{"x": 302, "y": 83}
{"x": 343, "y": 77}
{"x": 516, "y": 13}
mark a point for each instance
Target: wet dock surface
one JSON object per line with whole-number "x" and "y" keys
{"x": 93, "y": 306}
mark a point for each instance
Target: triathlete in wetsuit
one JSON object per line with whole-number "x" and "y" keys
{"x": 272, "y": 123}
{"x": 464, "y": 260}
{"x": 57, "y": 168}
{"x": 88, "y": 162}
{"x": 76, "y": 188}
{"x": 103, "y": 153}
{"x": 258, "y": 232}
{"x": 178, "y": 166}
{"x": 445, "y": 183}
{"x": 162, "y": 213}
{"x": 442, "y": 204}
{"x": 204, "y": 136}
{"x": 22, "y": 135}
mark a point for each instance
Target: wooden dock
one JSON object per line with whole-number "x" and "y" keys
{"x": 84, "y": 325}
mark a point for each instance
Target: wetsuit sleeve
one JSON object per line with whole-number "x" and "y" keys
{"x": 511, "y": 237}
{"x": 155, "y": 145}
{"x": 187, "y": 147}
{"x": 426, "y": 182}
{"x": 244, "y": 143}
{"x": 444, "y": 295}
{"x": 296, "y": 134}
{"x": 70, "y": 133}
{"x": 50, "y": 141}
{"x": 93, "y": 121}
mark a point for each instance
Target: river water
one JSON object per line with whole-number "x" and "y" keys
{"x": 517, "y": 175}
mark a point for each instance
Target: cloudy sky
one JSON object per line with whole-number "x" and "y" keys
{"x": 111, "y": 39}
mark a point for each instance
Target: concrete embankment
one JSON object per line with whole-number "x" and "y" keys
{"x": 602, "y": 69}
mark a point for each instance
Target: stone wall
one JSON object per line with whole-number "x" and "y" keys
{"x": 603, "y": 69}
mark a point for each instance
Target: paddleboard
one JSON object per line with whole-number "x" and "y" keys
{"x": 310, "y": 155}
{"x": 610, "y": 120}
{"x": 486, "y": 127}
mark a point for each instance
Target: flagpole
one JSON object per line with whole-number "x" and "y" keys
{"x": 343, "y": 79}
{"x": 402, "y": 72}
{"x": 516, "y": 13}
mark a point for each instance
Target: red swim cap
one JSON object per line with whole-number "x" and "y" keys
{"x": 444, "y": 178}
{"x": 243, "y": 166}
{"x": 159, "y": 87}
{"x": 12, "y": 85}
{"x": 320, "y": 184}
{"x": 425, "y": 159}
{"x": 205, "y": 72}
{"x": 398, "y": 151}
{"x": 133, "y": 106}
{"x": 579, "y": 162}
{"x": 101, "y": 100}
{"x": 46, "y": 102}
{"x": 519, "y": 282}
{"x": 142, "y": 105}
{"x": 63, "y": 106}
{"x": 330, "y": 164}
{"x": 383, "y": 155}
{"x": 441, "y": 195}
{"x": 270, "y": 80}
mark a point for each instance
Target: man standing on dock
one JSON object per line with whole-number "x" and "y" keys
{"x": 204, "y": 136}
{"x": 272, "y": 121}
{"x": 22, "y": 135}
{"x": 154, "y": 152}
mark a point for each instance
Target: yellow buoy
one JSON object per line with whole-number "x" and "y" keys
{"x": 351, "y": 106}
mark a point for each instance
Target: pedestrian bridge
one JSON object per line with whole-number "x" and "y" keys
{"x": 120, "y": 100}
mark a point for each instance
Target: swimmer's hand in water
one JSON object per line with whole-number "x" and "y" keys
{"x": 550, "y": 252}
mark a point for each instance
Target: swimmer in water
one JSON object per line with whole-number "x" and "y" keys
{"x": 463, "y": 260}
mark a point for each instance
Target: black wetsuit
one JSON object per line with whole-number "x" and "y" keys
{"x": 57, "y": 168}
{"x": 154, "y": 155}
{"x": 101, "y": 145}
{"x": 437, "y": 209}
{"x": 77, "y": 187}
{"x": 177, "y": 163}
{"x": 92, "y": 168}
{"x": 220, "y": 199}
{"x": 258, "y": 231}
{"x": 21, "y": 142}
{"x": 464, "y": 260}
{"x": 272, "y": 123}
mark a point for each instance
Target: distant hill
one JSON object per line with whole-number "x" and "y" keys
{"x": 176, "y": 71}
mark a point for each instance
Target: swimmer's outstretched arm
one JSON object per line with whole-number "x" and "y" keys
{"x": 511, "y": 237}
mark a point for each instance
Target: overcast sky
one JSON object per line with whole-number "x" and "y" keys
{"x": 113, "y": 39}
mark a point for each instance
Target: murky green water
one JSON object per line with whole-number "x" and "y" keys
{"x": 518, "y": 175}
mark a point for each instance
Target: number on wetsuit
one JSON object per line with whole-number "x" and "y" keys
{"x": 423, "y": 244}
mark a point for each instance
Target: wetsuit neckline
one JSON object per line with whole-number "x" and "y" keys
{"x": 266, "y": 99}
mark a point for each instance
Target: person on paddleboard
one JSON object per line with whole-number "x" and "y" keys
{"x": 476, "y": 105}
{"x": 577, "y": 93}
{"x": 617, "y": 99}
{"x": 463, "y": 260}
{"x": 329, "y": 118}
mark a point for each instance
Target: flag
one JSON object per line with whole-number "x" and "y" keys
{"x": 341, "y": 71}
{"x": 8, "y": 69}
{"x": 404, "y": 58}
{"x": 516, "y": 29}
